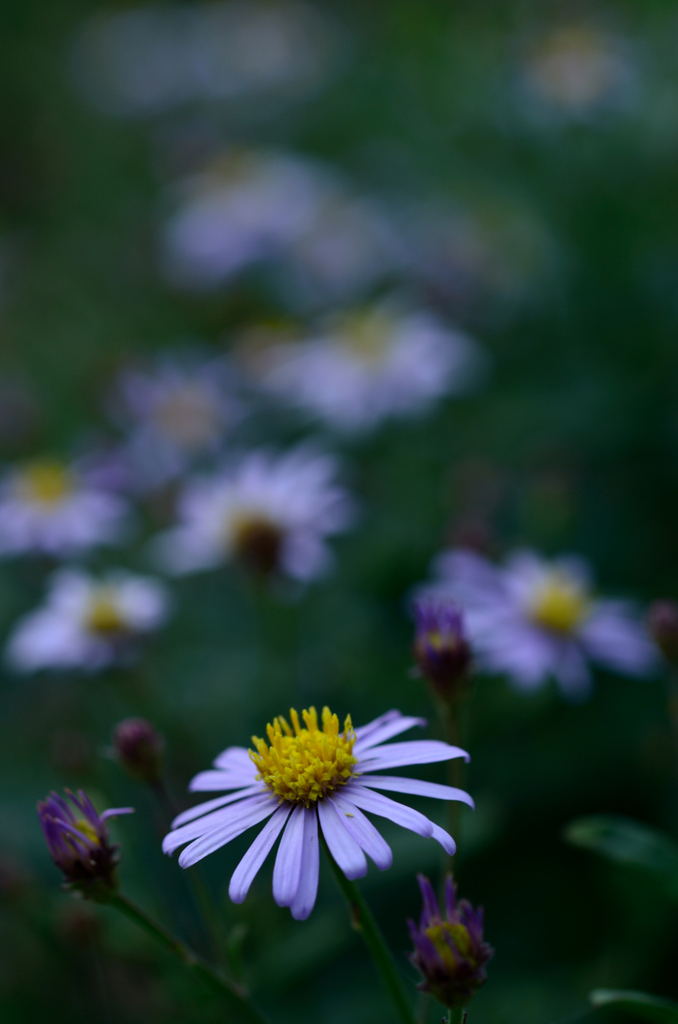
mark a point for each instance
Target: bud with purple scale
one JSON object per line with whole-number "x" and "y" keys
{"x": 662, "y": 622}
{"x": 139, "y": 748}
{"x": 441, "y": 649}
{"x": 450, "y": 951}
{"x": 79, "y": 844}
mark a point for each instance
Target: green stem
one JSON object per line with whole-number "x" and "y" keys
{"x": 457, "y": 1016}
{"x": 364, "y": 922}
{"x": 451, "y": 714}
{"x": 235, "y": 996}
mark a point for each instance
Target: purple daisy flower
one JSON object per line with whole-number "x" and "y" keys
{"x": 450, "y": 951}
{"x": 79, "y": 844}
{"x": 308, "y": 777}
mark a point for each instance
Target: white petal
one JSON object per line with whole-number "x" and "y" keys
{"x": 386, "y": 732}
{"x": 185, "y": 833}
{"x": 219, "y": 837}
{"x": 216, "y": 779}
{"x": 211, "y": 805}
{"x": 342, "y": 846}
{"x": 416, "y": 787}
{"x": 396, "y": 755}
{"x": 304, "y": 901}
{"x": 287, "y": 870}
{"x": 402, "y": 815}
{"x": 249, "y": 866}
{"x": 444, "y": 838}
{"x": 363, "y": 831}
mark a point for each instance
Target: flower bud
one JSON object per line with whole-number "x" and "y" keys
{"x": 662, "y": 622}
{"x": 449, "y": 952}
{"x": 440, "y": 647}
{"x": 78, "y": 842}
{"x": 139, "y": 747}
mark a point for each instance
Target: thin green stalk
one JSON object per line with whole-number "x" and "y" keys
{"x": 452, "y": 714}
{"x": 234, "y": 995}
{"x": 364, "y": 922}
{"x": 457, "y": 1016}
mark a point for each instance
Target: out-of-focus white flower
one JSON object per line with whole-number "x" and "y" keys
{"x": 179, "y": 412}
{"x": 45, "y": 506}
{"x": 374, "y": 363}
{"x": 532, "y": 619}
{"x": 250, "y": 207}
{"x": 578, "y": 69}
{"x": 147, "y": 60}
{"x": 88, "y": 623}
{"x": 274, "y": 512}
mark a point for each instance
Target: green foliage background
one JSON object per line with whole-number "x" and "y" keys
{"x": 574, "y": 438}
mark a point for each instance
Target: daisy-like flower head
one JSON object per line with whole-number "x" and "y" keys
{"x": 372, "y": 364}
{"x": 88, "y": 623}
{"x": 273, "y": 512}
{"x": 578, "y": 68}
{"x": 449, "y": 951}
{"x": 46, "y": 506}
{"x": 179, "y": 412}
{"x": 532, "y": 619}
{"x": 79, "y": 844}
{"x": 311, "y": 775}
{"x": 441, "y": 649}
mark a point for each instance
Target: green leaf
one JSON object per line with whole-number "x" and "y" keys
{"x": 628, "y": 842}
{"x": 638, "y": 1003}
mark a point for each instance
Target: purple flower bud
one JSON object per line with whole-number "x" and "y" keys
{"x": 78, "y": 842}
{"x": 440, "y": 646}
{"x": 662, "y": 622}
{"x": 449, "y": 952}
{"x": 139, "y": 747}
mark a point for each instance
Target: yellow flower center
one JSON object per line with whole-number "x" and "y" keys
{"x": 45, "y": 482}
{"x": 559, "y": 603}
{"x": 365, "y": 335}
{"x": 256, "y": 539}
{"x": 438, "y": 934}
{"x": 302, "y": 764}
{"x": 103, "y": 614}
{"x": 87, "y": 830}
{"x": 188, "y": 416}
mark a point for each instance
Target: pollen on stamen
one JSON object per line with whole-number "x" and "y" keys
{"x": 304, "y": 763}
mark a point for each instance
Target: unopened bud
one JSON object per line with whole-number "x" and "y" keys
{"x": 139, "y": 747}
{"x": 79, "y": 844}
{"x": 450, "y": 951}
{"x": 662, "y": 622}
{"x": 441, "y": 649}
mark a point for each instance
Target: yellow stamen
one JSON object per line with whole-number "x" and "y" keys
{"x": 365, "y": 334}
{"x": 87, "y": 830}
{"x": 559, "y": 603}
{"x": 302, "y": 764}
{"x": 45, "y": 482}
{"x": 103, "y": 614}
{"x": 438, "y": 933}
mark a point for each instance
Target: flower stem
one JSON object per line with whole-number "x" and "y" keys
{"x": 457, "y": 1015}
{"x": 234, "y": 995}
{"x": 452, "y": 714}
{"x": 364, "y": 922}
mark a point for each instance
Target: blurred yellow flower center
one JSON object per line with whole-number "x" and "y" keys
{"x": 305, "y": 763}
{"x": 188, "y": 416}
{"x": 559, "y": 603}
{"x": 45, "y": 482}
{"x": 439, "y": 934}
{"x": 256, "y": 539}
{"x": 103, "y": 614}
{"x": 87, "y": 830}
{"x": 366, "y": 335}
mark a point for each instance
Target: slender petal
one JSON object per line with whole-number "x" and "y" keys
{"x": 216, "y": 819}
{"x": 415, "y": 787}
{"x": 397, "y": 755}
{"x": 287, "y": 870}
{"x": 345, "y": 850}
{"x": 216, "y": 779}
{"x": 386, "y": 731}
{"x": 211, "y": 805}
{"x": 363, "y": 731}
{"x": 304, "y": 901}
{"x": 249, "y": 866}
{"x": 363, "y": 831}
{"x": 234, "y": 759}
{"x": 444, "y": 838}
{"x": 391, "y": 809}
{"x": 217, "y": 838}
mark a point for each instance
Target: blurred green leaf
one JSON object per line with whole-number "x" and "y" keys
{"x": 628, "y": 842}
{"x": 639, "y": 1003}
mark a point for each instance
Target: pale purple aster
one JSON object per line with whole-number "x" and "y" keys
{"x": 273, "y": 511}
{"x": 175, "y": 414}
{"x": 532, "y": 619}
{"x": 88, "y": 622}
{"x": 449, "y": 950}
{"x": 311, "y": 781}
{"x": 47, "y": 506}
{"x": 370, "y": 365}
{"x": 79, "y": 844}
